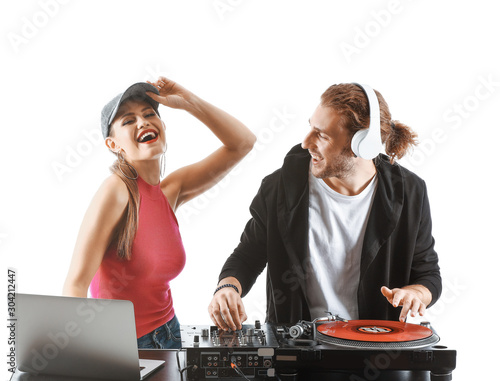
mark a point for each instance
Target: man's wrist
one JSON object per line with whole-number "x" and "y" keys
{"x": 227, "y": 285}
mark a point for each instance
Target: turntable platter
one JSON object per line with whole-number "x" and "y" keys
{"x": 379, "y": 334}
{"x": 375, "y": 330}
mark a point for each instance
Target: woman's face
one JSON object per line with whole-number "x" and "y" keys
{"x": 137, "y": 131}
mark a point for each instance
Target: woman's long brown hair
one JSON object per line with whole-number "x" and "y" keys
{"x": 127, "y": 226}
{"x": 124, "y": 234}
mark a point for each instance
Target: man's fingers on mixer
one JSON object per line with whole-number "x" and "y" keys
{"x": 228, "y": 318}
{"x": 219, "y": 318}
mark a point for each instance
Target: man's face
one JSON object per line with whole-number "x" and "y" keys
{"x": 329, "y": 145}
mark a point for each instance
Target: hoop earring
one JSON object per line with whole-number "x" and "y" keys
{"x": 121, "y": 160}
{"x": 162, "y": 165}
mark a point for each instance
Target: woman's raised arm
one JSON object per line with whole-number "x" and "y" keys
{"x": 192, "y": 180}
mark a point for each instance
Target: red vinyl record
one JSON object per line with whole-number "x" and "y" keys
{"x": 375, "y": 330}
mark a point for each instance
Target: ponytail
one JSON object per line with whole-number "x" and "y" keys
{"x": 398, "y": 139}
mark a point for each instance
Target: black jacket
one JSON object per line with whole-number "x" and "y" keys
{"x": 398, "y": 247}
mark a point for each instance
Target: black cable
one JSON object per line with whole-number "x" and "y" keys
{"x": 177, "y": 357}
{"x": 179, "y": 364}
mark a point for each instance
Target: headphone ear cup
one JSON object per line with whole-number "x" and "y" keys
{"x": 367, "y": 143}
{"x": 356, "y": 141}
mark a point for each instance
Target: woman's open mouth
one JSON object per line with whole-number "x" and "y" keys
{"x": 148, "y": 136}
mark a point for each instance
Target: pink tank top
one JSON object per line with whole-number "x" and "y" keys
{"x": 157, "y": 257}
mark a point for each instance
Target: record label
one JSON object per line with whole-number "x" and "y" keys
{"x": 375, "y": 329}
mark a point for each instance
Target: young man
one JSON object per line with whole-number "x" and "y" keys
{"x": 338, "y": 232}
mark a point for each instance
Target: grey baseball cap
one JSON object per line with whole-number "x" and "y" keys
{"x": 137, "y": 92}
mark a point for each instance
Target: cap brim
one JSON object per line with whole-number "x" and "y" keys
{"x": 137, "y": 92}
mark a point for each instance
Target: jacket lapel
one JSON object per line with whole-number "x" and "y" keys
{"x": 293, "y": 207}
{"x": 385, "y": 212}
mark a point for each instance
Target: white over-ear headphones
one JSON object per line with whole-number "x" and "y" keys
{"x": 367, "y": 143}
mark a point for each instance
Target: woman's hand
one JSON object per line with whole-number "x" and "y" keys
{"x": 171, "y": 94}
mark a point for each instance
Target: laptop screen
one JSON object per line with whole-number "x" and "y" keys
{"x": 80, "y": 337}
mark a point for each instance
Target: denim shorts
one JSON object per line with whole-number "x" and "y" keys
{"x": 167, "y": 336}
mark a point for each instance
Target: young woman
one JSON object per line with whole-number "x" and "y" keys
{"x": 129, "y": 246}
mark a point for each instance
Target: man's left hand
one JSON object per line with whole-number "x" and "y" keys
{"x": 414, "y": 298}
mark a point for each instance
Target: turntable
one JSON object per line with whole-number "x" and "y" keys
{"x": 318, "y": 350}
{"x": 375, "y": 334}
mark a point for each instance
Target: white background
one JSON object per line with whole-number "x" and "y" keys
{"x": 436, "y": 63}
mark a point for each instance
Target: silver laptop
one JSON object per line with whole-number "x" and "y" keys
{"x": 80, "y": 337}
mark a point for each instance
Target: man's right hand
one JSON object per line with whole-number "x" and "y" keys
{"x": 226, "y": 308}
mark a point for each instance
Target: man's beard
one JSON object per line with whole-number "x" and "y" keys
{"x": 340, "y": 166}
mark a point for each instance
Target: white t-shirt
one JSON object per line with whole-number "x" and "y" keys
{"x": 337, "y": 225}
